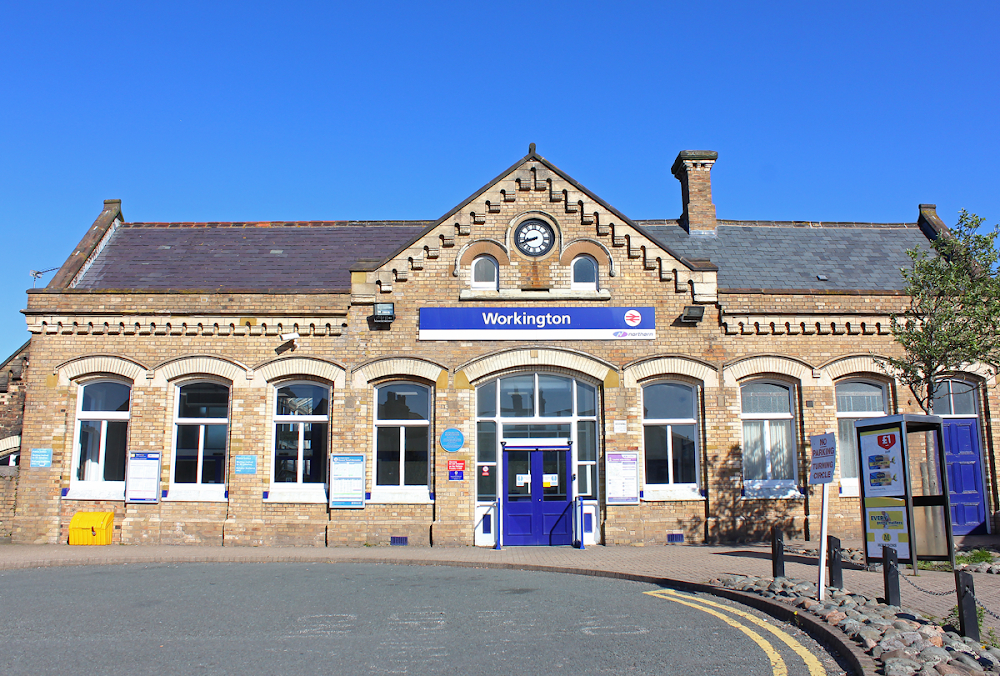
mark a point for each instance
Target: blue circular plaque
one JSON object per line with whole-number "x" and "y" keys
{"x": 452, "y": 439}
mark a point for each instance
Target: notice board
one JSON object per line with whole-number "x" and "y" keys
{"x": 142, "y": 477}
{"x": 347, "y": 481}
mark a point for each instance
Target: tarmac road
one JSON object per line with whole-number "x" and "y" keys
{"x": 322, "y": 618}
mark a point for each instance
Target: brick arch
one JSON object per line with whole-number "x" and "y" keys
{"x": 204, "y": 365}
{"x": 105, "y": 363}
{"x": 670, "y": 366}
{"x": 303, "y": 366}
{"x": 394, "y": 366}
{"x": 521, "y": 357}
{"x": 591, "y": 248}
{"x": 852, "y": 365}
{"x": 764, "y": 364}
{"x": 482, "y": 247}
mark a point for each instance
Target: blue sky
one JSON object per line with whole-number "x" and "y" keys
{"x": 383, "y": 110}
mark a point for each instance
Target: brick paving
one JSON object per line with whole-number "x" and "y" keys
{"x": 681, "y": 563}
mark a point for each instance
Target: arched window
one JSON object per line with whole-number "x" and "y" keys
{"x": 301, "y": 429}
{"x": 955, "y": 398}
{"x": 584, "y": 274}
{"x": 855, "y": 400}
{"x": 402, "y": 441}
{"x": 670, "y": 436}
{"x": 769, "y": 462}
{"x": 201, "y": 425}
{"x": 485, "y": 273}
{"x": 101, "y": 441}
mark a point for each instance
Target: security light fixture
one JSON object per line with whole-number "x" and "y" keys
{"x": 384, "y": 313}
{"x": 290, "y": 336}
{"x": 693, "y": 314}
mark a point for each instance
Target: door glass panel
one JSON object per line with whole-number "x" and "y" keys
{"x": 554, "y": 475}
{"x": 518, "y": 476}
{"x": 584, "y": 479}
{"x": 486, "y": 441}
{"x": 555, "y": 397}
{"x": 486, "y": 483}
{"x": 517, "y": 397}
{"x": 586, "y": 439}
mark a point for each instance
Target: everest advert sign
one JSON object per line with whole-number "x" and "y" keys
{"x": 545, "y": 323}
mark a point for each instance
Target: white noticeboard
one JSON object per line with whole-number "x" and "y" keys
{"x": 824, "y": 458}
{"x": 621, "y": 470}
{"x": 347, "y": 481}
{"x": 142, "y": 477}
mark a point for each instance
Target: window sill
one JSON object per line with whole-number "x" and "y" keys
{"x": 96, "y": 490}
{"x": 417, "y": 495}
{"x": 849, "y": 488}
{"x": 771, "y": 490}
{"x": 304, "y": 495}
{"x": 518, "y": 294}
{"x": 195, "y": 493}
{"x": 670, "y": 494}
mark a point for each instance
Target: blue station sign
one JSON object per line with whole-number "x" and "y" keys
{"x": 537, "y": 323}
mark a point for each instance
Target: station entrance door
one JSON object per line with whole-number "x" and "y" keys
{"x": 537, "y": 494}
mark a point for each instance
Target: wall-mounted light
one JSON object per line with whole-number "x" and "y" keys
{"x": 294, "y": 337}
{"x": 384, "y": 313}
{"x": 693, "y": 314}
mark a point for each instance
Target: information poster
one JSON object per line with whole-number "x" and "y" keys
{"x": 622, "y": 474}
{"x": 882, "y": 463}
{"x": 142, "y": 477}
{"x": 41, "y": 457}
{"x": 347, "y": 481}
{"x": 885, "y": 525}
{"x": 824, "y": 458}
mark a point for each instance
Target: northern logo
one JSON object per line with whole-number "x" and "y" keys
{"x": 633, "y": 317}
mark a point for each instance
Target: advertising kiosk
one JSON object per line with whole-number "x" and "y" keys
{"x": 904, "y": 488}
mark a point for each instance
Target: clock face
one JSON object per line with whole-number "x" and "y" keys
{"x": 534, "y": 238}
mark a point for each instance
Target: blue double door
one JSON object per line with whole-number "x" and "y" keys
{"x": 965, "y": 476}
{"x": 537, "y": 497}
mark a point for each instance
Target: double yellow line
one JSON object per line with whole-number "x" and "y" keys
{"x": 778, "y": 666}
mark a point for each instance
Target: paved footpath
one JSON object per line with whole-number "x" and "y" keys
{"x": 681, "y": 563}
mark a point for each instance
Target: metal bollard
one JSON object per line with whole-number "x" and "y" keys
{"x": 967, "y": 620}
{"x": 836, "y": 565}
{"x": 890, "y": 575}
{"x": 777, "y": 552}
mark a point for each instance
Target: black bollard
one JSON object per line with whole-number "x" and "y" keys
{"x": 890, "y": 575}
{"x": 836, "y": 565}
{"x": 777, "y": 552}
{"x": 967, "y": 620}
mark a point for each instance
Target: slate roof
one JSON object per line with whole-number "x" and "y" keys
{"x": 304, "y": 256}
{"x": 790, "y": 255}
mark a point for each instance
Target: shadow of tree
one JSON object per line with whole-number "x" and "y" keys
{"x": 731, "y": 517}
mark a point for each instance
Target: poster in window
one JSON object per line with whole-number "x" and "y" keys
{"x": 347, "y": 481}
{"x": 881, "y": 467}
{"x": 622, "y": 475}
{"x": 142, "y": 477}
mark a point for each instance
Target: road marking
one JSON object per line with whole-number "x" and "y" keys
{"x": 812, "y": 662}
{"x": 778, "y": 667}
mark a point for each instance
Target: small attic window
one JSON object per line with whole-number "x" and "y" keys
{"x": 823, "y": 278}
{"x": 485, "y": 273}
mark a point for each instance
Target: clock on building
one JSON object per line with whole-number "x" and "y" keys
{"x": 534, "y": 237}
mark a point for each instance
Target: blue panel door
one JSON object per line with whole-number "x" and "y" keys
{"x": 538, "y": 498}
{"x": 965, "y": 477}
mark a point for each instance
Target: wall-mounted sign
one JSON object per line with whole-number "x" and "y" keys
{"x": 246, "y": 464}
{"x": 456, "y": 465}
{"x": 537, "y": 323}
{"x": 347, "y": 481}
{"x": 142, "y": 477}
{"x": 452, "y": 439}
{"x": 456, "y": 475}
{"x": 622, "y": 475}
{"x": 41, "y": 457}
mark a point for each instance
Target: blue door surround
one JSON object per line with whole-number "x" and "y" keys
{"x": 965, "y": 476}
{"x": 539, "y": 510}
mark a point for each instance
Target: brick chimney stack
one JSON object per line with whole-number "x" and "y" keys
{"x": 693, "y": 168}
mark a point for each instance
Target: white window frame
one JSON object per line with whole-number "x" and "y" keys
{"x": 198, "y": 492}
{"x": 297, "y": 491}
{"x": 951, "y": 397}
{"x": 673, "y": 491}
{"x": 850, "y": 486}
{"x": 771, "y": 488}
{"x": 402, "y": 494}
{"x": 485, "y": 286}
{"x": 585, "y": 286}
{"x": 97, "y": 489}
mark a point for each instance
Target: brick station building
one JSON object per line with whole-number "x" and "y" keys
{"x": 540, "y": 347}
